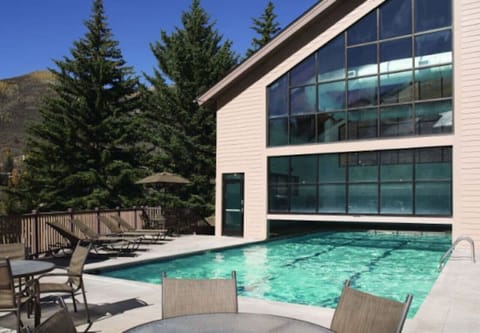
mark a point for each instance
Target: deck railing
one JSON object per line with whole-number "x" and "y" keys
{"x": 32, "y": 229}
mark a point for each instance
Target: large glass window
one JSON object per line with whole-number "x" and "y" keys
{"x": 331, "y": 60}
{"x": 389, "y": 74}
{"x": 395, "y": 18}
{"x": 391, "y": 182}
{"x": 303, "y": 73}
{"x": 432, "y": 14}
{"x": 364, "y": 30}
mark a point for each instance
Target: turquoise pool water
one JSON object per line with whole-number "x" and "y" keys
{"x": 311, "y": 269}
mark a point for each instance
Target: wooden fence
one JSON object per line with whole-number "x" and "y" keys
{"x": 33, "y": 231}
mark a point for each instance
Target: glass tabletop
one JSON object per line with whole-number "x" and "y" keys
{"x": 24, "y": 268}
{"x": 229, "y": 322}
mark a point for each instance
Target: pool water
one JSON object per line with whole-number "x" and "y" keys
{"x": 312, "y": 269}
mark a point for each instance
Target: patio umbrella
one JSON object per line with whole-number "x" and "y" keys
{"x": 163, "y": 178}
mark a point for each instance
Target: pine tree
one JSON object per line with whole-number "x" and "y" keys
{"x": 82, "y": 153}
{"x": 190, "y": 60}
{"x": 266, "y": 27}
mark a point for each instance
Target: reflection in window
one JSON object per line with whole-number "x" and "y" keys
{"x": 362, "y": 60}
{"x": 302, "y": 129}
{"x": 396, "y": 182}
{"x": 363, "y": 167}
{"x": 278, "y": 131}
{"x": 396, "y": 198}
{"x": 396, "y": 165}
{"x": 331, "y": 126}
{"x": 332, "y": 168}
{"x": 433, "y": 49}
{"x": 331, "y": 96}
{"x": 303, "y": 198}
{"x": 362, "y": 92}
{"x": 396, "y": 87}
{"x": 434, "y": 82}
{"x": 433, "y": 198}
{"x": 434, "y": 117}
{"x": 381, "y": 63}
{"x": 303, "y": 73}
{"x": 395, "y": 18}
{"x": 396, "y": 121}
{"x": 331, "y": 60}
{"x": 362, "y": 124}
{"x": 433, "y": 164}
{"x": 278, "y": 170}
{"x": 278, "y": 198}
{"x": 396, "y": 55}
{"x": 363, "y": 199}
{"x": 301, "y": 169}
{"x": 432, "y": 14}
{"x": 302, "y": 100}
{"x": 364, "y": 30}
{"x": 332, "y": 198}
{"x": 277, "y": 97}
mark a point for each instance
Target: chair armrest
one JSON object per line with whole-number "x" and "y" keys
{"x": 55, "y": 274}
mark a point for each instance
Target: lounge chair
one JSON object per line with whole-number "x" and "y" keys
{"x": 156, "y": 234}
{"x": 195, "y": 296}
{"x": 110, "y": 244}
{"x": 361, "y": 312}
{"x": 74, "y": 275}
{"x": 13, "y": 299}
{"x": 109, "y": 241}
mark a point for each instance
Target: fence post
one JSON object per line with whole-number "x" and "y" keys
{"x": 135, "y": 216}
{"x": 35, "y": 230}
{"x": 97, "y": 216}
{"x": 70, "y": 212}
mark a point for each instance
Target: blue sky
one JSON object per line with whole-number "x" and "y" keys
{"x": 34, "y": 32}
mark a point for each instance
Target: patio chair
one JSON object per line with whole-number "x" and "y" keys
{"x": 74, "y": 275}
{"x": 109, "y": 241}
{"x": 59, "y": 322}
{"x": 195, "y": 296}
{"x": 12, "y": 299}
{"x": 156, "y": 234}
{"x": 361, "y": 312}
{"x": 153, "y": 217}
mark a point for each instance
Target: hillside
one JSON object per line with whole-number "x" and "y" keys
{"x": 20, "y": 98}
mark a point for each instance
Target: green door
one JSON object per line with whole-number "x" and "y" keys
{"x": 232, "y": 209}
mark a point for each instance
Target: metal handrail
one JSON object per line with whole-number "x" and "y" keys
{"x": 443, "y": 260}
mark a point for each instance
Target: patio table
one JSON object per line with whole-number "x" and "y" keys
{"x": 28, "y": 268}
{"x": 229, "y": 322}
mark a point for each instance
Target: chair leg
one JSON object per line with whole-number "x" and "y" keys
{"x": 85, "y": 302}
{"x": 74, "y": 302}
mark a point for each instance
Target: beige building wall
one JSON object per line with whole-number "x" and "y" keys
{"x": 242, "y": 130}
{"x": 466, "y": 153}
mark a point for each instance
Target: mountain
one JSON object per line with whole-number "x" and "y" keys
{"x": 20, "y": 98}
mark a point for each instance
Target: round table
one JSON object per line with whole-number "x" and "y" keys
{"x": 229, "y": 322}
{"x": 26, "y": 268}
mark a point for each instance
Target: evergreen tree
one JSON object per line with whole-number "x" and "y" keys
{"x": 266, "y": 27}
{"x": 190, "y": 60}
{"x": 82, "y": 153}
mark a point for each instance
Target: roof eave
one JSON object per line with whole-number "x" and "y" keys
{"x": 274, "y": 44}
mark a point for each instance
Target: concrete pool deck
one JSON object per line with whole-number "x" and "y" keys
{"x": 452, "y": 306}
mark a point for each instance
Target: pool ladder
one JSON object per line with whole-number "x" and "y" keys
{"x": 443, "y": 259}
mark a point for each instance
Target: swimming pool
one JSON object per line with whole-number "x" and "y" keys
{"x": 311, "y": 269}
